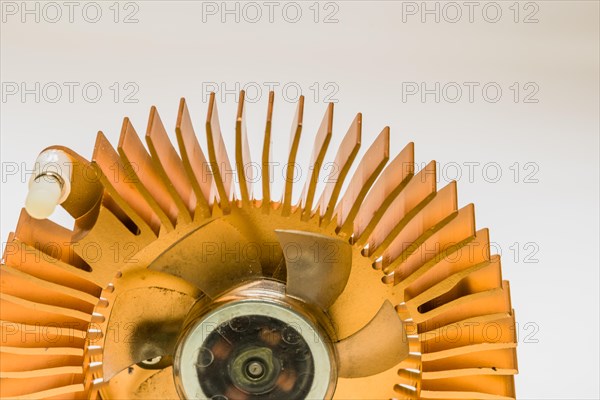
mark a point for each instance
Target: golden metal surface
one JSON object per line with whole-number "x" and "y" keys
{"x": 358, "y": 358}
{"x": 316, "y": 161}
{"x": 339, "y": 169}
{"x": 318, "y": 266}
{"x": 291, "y": 164}
{"x": 157, "y": 230}
{"x": 218, "y": 158}
{"x": 194, "y": 161}
{"x": 243, "y": 163}
{"x": 266, "y": 157}
{"x": 170, "y": 167}
{"x": 365, "y": 175}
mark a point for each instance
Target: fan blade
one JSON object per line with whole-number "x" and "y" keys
{"x": 377, "y": 347}
{"x": 194, "y": 257}
{"x": 146, "y": 318}
{"x": 318, "y": 266}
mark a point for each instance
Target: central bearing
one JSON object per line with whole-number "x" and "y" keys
{"x": 250, "y": 348}
{"x": 255, "y": 370}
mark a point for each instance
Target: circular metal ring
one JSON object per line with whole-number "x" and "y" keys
{"x": 191, "y": 354}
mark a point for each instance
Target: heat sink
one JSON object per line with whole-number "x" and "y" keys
{"x": 171, "y": 286}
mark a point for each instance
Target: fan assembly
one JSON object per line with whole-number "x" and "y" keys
{"x": 169, "y": 286}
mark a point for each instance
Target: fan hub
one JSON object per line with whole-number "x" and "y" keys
{"x": 241, "y": 346}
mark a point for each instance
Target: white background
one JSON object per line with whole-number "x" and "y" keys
{"x": 368, "y": 57}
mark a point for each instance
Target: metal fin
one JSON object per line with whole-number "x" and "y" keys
{"x": 242, "y": 152}
{"x": 316, "y": 161}
{"x": 194, "y": 162}
{"x": 266, "y": 156}
{"x": 291, "y": 164}
{"x": 218, "y": 158}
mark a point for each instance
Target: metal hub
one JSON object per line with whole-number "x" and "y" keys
{"x": 255, "y": 369}
{"x": 245, "y": 348}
